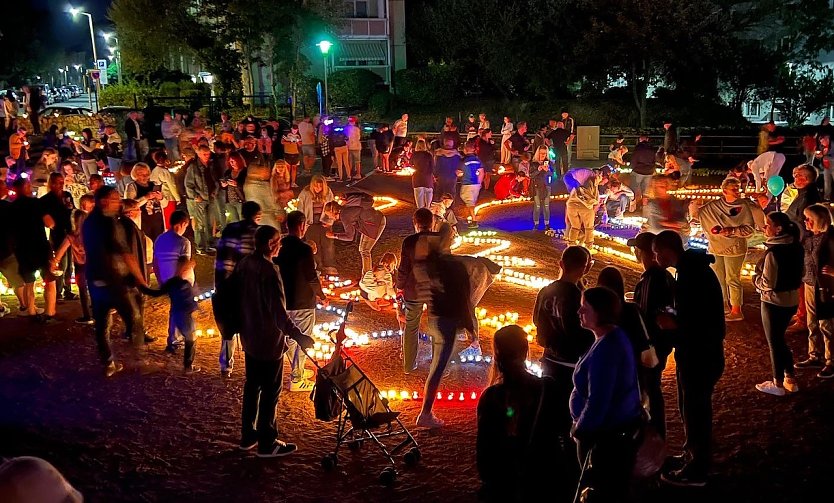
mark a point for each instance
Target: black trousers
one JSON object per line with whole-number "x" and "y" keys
{"x": 775, "y": 321}
{"x": 652, "y": 387}
{"x": 124, "y": 301}
{"x": 260, "y": 398}
{"x": 697, "y": 376}
{"x": 610, "y": 461}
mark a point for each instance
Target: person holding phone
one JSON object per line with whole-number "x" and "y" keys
{"x": 150, "y": 198}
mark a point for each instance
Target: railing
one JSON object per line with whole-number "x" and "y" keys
{"x": 364, "y": 27}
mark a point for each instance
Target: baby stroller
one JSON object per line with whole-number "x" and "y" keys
{"x": 345, "y": 393}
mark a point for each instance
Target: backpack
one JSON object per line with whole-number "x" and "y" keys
{"x": 361, "y": 199}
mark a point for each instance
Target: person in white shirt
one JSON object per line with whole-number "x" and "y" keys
{"x": 400, "y": 129}
{"x": 167, "y": 250}
{"x": 507, "y": 130}
{"x": 308, "y": 143}
{"x": 171, "y": 130}
{"x": 765, "y": 166}
{"x": 354, "y": 136}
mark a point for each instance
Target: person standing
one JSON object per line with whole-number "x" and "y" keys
{"x": 292, "y": 150}
{"x": 311, "y": 202}
{"x": 162, "y": 178}
{"x": 447, "y": 163}
{"x": 58, "y": 204}
{"x": 150, "y": 198}
{"x": 201, "y": 189}
{"x": 133, "y": 132}
{"x": 170, "y": 135}
{"x": 236, "y": 242}
{"x": 413, "y": 296}
{"x": 483, "y": 122}
{"x": 422, "y": 179}
{"x": 19, "y": 149}
{"x": 11, "y": 108}
{"x": 362, "y": 219}
{"x": 264, "y": 327}
{"x": 168, "y": 249}
{"x": 698, "y": 320}
{"x": 8, "y": 261}
{"x": 400, "y": 130}
{"x": 33, "y": 251}
{"x": 354, "y": 137}
{"x": 570, "y": 127}
{"x": 308, "y": 144}
{"x": 818, "y": 286}
{"x": 113, "y": 272}
{"x": 517, "y": 143}
{"x": 324, "y": 145}
{"x": 643, "y": 168}
{"x": 470, "y": 182}
{"x": 232, "y": 183}
{"x": 541, "y": 177}
{"x": 670, "y": 138}
{"x": 558, "y": 139}
{"x": 485, "y": 149}
{"x": 303, "y": 291}
{"x": 605, "y": 401}
{"x": 778, "y": 276}
{"x": 34, "y": 105}
{"x": 729, "y": 222}
{"x": 507, "y": 129}
{"x": 470, "y": 127}
{"x": 583, "y": 200}
{"x": 339, "y": 143}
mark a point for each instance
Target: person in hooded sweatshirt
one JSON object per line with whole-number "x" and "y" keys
{"x": 698, "y": 318}
{"x": 728, "y": 222}
{"x": 447, "y": 162}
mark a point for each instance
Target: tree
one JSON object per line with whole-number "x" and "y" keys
{"x": 743, "y": 71}
{"x": 802, "y": 90}
{"x": 649, "y": 42}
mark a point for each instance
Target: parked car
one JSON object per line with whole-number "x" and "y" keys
{"x": 59, "y": 111}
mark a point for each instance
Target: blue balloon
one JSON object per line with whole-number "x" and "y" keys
{"x": 775, "y": 185}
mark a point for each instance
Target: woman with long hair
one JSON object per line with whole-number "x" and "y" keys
{"x": 778, "y": 278}
{"x": 605, "y": 402}
{"x": 86, "y": 149}
{"x": 541, "y": 178}
{"x": 514, "y": 417}
{"x": 422, "y": 180}
{"x": 507, "y": 130}
{"x": 311, "y": 202}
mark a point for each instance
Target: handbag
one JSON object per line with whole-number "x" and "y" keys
{"x": 651, "y": 451}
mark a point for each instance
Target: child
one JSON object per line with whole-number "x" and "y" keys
{"x": 79, "y": 258}
{"x": 524, "y": 163}
{"x": 181, "y": 292}
{"x": 443, "y": 213}
{"x": 377, "y": 286}
{"x": 265, "y": 143}
{"x": 292, "y": 148}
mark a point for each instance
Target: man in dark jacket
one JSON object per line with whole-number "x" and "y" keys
{"x": 654, "y": 294}
{"x": 698, "y": 319}
{"x": 236, "y": 242}
{"x": 560, "y": 333}
{"x": 303, "y": 290}
{"x": 447, "y": 162}
{"x": 407, "y": 283}
{"x": 264, "y": 327}
{"x": 642, "y": 168}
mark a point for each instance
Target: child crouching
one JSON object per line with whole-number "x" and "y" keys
{"x": 377, "y": 286}
{"x": 181, "y": 293}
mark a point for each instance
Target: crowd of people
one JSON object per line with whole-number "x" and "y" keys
{"x": 110, "y": 211}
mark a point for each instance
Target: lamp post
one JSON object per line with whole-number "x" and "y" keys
{"x": 64, "y": 74}
{"x": 117, "y": 52}
{"x": 76, "y": 11}
{"x": 325, "y": 46}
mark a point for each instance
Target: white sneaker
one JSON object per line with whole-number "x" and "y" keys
{"x": 38, "y": 310}
{"x": 302, "y": 385}
{"x": 771, "y": 388}
{"x": 429, "y": 421}
{"x": 790, "y": 385}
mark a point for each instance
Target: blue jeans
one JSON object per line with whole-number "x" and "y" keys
{"x": 541, "y": 202}
{"x": 304, "y": 319}
{"x": 172, "y": 145}
{"x": 130, "y": 150}
{"x": 616, "y": 207}
{"x": 202, "y": 231}
{"x": 218, "y": 209}
{"x": 235, "y": 212}
{"x": 641, "y": 186}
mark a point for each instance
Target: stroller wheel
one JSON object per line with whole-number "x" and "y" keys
{"x": 328, "y": 462}
{"x": 412, "y": 457}
{"x": 387, "y": 476}
{"x": 355, "y": 445}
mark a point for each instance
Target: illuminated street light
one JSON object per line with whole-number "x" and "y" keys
{"x": 114, "y": 51}
{"x": 325, "y": 46}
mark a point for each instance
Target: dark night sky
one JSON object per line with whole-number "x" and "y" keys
{"x": 74, "y": 36}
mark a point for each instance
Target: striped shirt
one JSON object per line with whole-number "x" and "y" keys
{"x": 237, "y": 241}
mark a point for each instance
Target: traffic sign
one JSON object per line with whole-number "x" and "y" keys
{"x": 101, "y": 64}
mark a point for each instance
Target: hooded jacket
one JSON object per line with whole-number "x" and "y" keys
{"x": 700, "y": 311}
{"x": 736, "y": 216}
{"x": 779, "y": 271}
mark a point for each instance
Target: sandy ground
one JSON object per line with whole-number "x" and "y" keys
{"x": 153, "y": 434}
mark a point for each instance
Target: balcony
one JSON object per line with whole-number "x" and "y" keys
{"x": 363, "y": 28}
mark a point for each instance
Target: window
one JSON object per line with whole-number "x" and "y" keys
{"x": 754, "y": 109}
{"x": 361, "y": 8}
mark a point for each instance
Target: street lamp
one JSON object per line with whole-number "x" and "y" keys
{"x": 325, "y": 46}
{"x": 115, "y": 51}
{"x": 64, "y": 74}
{"x": 75, "y": 12}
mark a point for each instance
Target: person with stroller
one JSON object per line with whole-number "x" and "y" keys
{"x": 263, "y": 323}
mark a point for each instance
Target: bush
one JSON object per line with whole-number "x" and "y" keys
{"x": 129, "y": 94}
{"x": 432, "y": 85}
{"x": 352, "y": 88}
{"x": 169, "y": 89}
{"x": 380, "y": 103}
